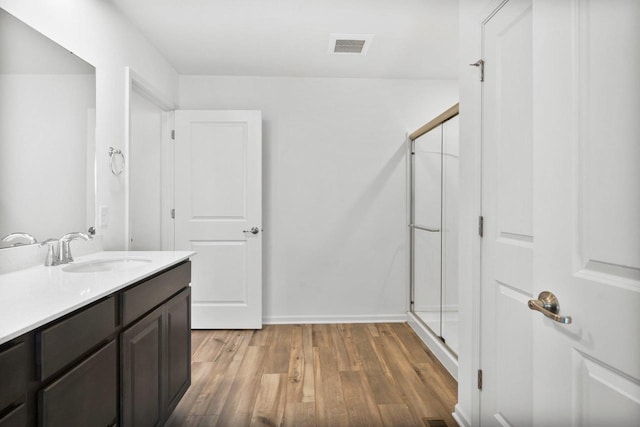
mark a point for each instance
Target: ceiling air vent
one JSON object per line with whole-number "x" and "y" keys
{"x": 355, "y": 44}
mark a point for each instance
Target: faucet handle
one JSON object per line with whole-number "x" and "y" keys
{"x": 65, "y": 248}
{"x": 52, "y": 257}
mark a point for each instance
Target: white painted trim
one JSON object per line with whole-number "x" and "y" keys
{"x": 461, "y": 417}
{"x": 146, "y": 89}
{"x": 168, "y": 172}
{"x": 364, "y": 318}
{"x": 135, "y": 82}
{"x": 437, "y": 347}
{"x": 127, "y": 144}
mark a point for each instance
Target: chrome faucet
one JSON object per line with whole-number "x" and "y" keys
{"x": 64, "y": 252}
{"x": 19, "y": 235}
{"x": 53, "y": 257}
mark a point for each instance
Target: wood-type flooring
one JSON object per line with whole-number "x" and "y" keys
{"x": 325, "y": 375}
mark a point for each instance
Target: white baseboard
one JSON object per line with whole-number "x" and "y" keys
{"x": 461, "y": 418}
{"x": 442, "y": 353}
{"x": 365, "y": 318}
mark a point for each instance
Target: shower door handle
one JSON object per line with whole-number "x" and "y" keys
{"x": 547, "y": 304}
{"x": 423, "y": 228}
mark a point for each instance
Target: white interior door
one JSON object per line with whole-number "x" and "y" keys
{"x": 587, "y": 216}
{"x": 561, "y": 199}
{"x": 507, "y": 209}
{"x": 218, "y": 200}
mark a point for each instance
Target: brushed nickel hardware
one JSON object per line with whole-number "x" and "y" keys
{"x": 422, "y": 227}
{"x": 479, "y": 63}
{"x": 253, "y": 230}
{"x": 116, "y": 169}
{"x": 91, "y": 231}
{"x": 547, "y": 304}
{"x": 64, "y": 247}
{"x": 53, "y": 257}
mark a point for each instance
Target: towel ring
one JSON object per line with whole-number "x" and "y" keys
{"x": 117, "y": 166}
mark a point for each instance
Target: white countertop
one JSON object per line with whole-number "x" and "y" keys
{"x": 35, "y": 296}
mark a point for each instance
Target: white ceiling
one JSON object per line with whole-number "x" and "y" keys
{"x": 413, "y": 39}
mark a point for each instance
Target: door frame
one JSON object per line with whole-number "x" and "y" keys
{"x": 138, "y": 84}
{"x": 470, "y": 242}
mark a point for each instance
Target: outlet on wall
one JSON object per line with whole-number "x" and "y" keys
{"x": 104, "y": 216}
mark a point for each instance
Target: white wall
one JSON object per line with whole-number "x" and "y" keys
{"x": 334, "y": 187}
{"x": 96, "y": 32}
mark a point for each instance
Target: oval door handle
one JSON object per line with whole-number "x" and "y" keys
{"x": 254, "y": 230}
{"x": 547, "y": 304}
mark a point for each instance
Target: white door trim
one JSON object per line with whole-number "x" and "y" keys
{"x": 137, "y": 83}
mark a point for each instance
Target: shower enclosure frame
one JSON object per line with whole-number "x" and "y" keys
{"x": 435, "y": 338}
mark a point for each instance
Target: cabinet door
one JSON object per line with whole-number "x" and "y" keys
{"x": 85, "y": 396}
{"x": 16, "y": 418}
{"x": 141, "y": 371}
{"x": 178, "y": 351}
{"x": 14, "y": 371}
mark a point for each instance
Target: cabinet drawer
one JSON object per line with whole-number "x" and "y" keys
{"x": 15, "y": 418}
{"x": 14, "y": 371}
{"x": 142, "y": 298}
{"x": 65, "y": 341}
{"x": 85, "y": 396}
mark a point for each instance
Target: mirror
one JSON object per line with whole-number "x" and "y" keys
{"x": 47, "y": 136}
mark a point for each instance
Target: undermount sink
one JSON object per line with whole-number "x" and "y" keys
{"x": 105, "y": 265}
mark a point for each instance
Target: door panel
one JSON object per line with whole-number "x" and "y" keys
{"x": 507, "y": 195}
{"x": 587, "y": 202}
{"x": 218, "y": 198}
{"x": 218, "y": 161}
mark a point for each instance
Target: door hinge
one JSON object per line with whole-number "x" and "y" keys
{"x": 173, "y": 214}
{"x": 481, "y": 226}
{"x": 479, "y": 379}
{"x": 479, "y": 63}
{"x": 173, "y": 134}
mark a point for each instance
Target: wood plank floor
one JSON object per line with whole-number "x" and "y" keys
{"x": 359, "y": 375}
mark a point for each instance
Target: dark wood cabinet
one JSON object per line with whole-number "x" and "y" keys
{"x": 123, "y": 360}
{"x": 178, "y": 349}
{"x": 156, "y": 362}
{"x": 142, "y": 371}
{"x": 65, "y": 341}
{"x": 85, "y": 396}
{"x": 14, "y": 373}
{"x": 17, "y": 417}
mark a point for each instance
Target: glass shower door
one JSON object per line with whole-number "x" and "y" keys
{"x": 450, "y": 193}
{"x": 427, "y": 256}
{"x": 434, "y": 219}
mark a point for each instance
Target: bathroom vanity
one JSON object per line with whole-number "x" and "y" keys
{"x": 105, "y": 343}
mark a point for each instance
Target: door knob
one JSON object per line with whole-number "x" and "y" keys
{"x": 253, "y": 230}
{"x": 548, "y": 304}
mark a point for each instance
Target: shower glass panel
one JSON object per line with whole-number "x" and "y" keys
{"x": 450, "y": 193}
{"x": 435, "y": 231}
{"x": 427, "y": 215}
